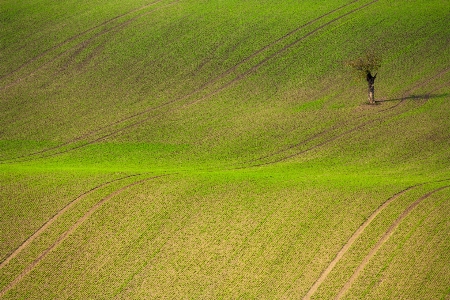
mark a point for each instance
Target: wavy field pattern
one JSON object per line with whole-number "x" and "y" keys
{"x": 223, "y": 149}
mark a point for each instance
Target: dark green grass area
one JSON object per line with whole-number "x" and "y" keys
{"x": 221, "y": 149}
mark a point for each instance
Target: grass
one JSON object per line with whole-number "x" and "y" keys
{"x": 220, "y": 149}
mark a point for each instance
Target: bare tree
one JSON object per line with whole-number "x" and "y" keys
{"x": 365, "y": 66}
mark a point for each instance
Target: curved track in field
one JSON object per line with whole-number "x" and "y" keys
{"x": 350, "y": 242}
{"x": 401, "y": 100}
{"x": 75, "y": 37}
{"x": 255, "y": 67}
{"x": 83, "y": 44}
{"x": 55, "y": 217}
{"x": 383, "y": 240}
{"x": 68, "y": 232}
{"x": 229, "y": 71}
{"x": 348, "y": 131}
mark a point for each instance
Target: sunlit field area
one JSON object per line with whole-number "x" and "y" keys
{"x": 224, "y": 149}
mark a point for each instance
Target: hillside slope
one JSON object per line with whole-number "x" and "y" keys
{"x": 221, "y": 149}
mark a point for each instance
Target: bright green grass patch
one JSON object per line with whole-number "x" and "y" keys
{"x": 17, "y": 148}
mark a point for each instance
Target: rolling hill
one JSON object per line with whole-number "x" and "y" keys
{"x": 222, "y": 149}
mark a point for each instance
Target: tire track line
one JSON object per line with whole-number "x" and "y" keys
{"x": 383, "y": 240}
{"x": 350, "y": 242}
{"x": 67, "y": 233}
{"x": 59, "y": 45}
{"x": 204, "y": 86}
{"x": 341, "y": 125}
{"x": 241, "y": 76}
{"x": 284, "y": 49}
{"x": 360, "y": 126}
{"x": 80, "y": 46}
{"x": 254, "y": 68}
{"x": 266, "y": 47}
{"x": 426, "y": 97}
{"x": 55, "y": 217}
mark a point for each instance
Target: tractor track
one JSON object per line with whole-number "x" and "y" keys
{"x": 56, "y": 216}
{"x": 201, "y": 88}
{"x": 283, "y": 49}
{"x": 116, "y": 131}
{"x": 81, "y": 45}
{"x": 262, "y": 49}
{"x": 342, "y": 125}
{"x": 68, "y": 232}
{"x": 75, "y": 37}
{"x": 383, "y": 240}
{"x": 350, "y": 242}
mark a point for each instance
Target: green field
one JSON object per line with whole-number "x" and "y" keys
{"x": 222, "y": 149}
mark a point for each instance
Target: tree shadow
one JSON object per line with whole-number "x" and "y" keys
{"x": 416, "y": 97}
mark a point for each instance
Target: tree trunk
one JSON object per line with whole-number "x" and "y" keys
{"x": 371, "y": 82}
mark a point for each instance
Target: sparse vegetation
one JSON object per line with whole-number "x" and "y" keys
{"x": 216, "y": 149}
